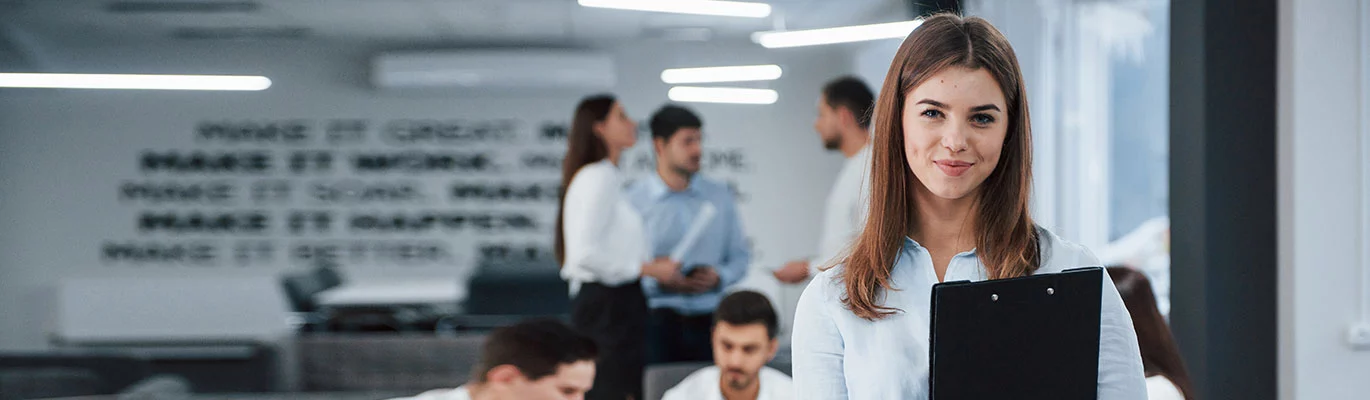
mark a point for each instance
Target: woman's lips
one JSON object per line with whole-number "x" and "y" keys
{"x": 953, "y": 168}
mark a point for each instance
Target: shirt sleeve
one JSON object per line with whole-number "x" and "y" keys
{"x": 1121, "y": 376}
{"x": 817, "y": 346}
{"x": 590, "y": 204}
{"x": 851, "y": 220}
{"x": 651, "y": 287}
{"x": 738, "y": 255}
{"x": 675, "y": 393}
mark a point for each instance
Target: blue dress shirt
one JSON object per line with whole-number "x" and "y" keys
{"x": 668, "y": 214}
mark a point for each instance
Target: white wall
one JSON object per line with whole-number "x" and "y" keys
{"x": 1319, "y": 193}
{"x": 63, "y": 153}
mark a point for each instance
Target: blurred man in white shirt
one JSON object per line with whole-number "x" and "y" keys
{"x": 843, "y": 124}
{"x": 534, "y": 360}
{"x": 744, "y": 340}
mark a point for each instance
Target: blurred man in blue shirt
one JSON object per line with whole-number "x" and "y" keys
{"x": 669, "y": 201}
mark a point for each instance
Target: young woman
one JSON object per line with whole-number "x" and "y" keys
{"x": 1166, "y": 377}
{"x": 602, "y": 249}
{"x": 950, "y": 179}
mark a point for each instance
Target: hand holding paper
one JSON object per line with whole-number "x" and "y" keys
{"x": 696, "y": 229}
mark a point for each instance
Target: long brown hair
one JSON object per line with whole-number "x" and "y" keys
{"x": 583, "y": 147}
{"x": 1006, "y": 238}
{"x": 1160, "y": 355}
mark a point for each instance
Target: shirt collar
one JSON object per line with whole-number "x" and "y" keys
{"x": 864, "y": 152}
{"x": 911, "y": 244}
{"x": 656, "y": 187}
{"x": 609, "y": 162}
{"x": 914, "y": 246}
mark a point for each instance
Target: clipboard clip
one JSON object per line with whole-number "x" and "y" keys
{"x": 995, "y": 296}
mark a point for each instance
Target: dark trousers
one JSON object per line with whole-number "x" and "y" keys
{"x": 679, "y": 338}
{"x": 616, "y": 317}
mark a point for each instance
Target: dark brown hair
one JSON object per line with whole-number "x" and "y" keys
{"x": 1160, "y": 355}
{"x": 745, "y": 307}
{"x": 1006, "y": 238}
{"x": 537, "y": 348}
{"x": 583, "y": 147}
{"x": 672, "y": 118}
{"x": 851, "y": 93}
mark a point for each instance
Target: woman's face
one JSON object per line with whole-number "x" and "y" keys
{"x": 617, "y": 130}
{"x": 954, "y": 128}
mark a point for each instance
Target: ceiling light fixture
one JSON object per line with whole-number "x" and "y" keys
{"x": 741, "y": 73}
{"x": 845, "y": 34}
{"x": 695, "y": 94}
{"x": 131, "y": 81}
{"x": 698, "y": 7}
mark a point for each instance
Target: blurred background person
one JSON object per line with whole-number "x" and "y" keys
{"x": 744, "y": 340}
{"x": 602, "y": 247}
{"x": 1166, "y": 376}
{"x": 717, "y": 257}
{"x": 843, "y": 125}
{"x": 1147, "y": 250}
{"x": 531, "y": 360}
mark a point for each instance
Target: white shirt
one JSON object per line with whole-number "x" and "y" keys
{"x": 459, "y": 393}
{"x": 703, "y": 385}
{"x": 1160, "y": 388}
{"x": 605, "y": 240}
{"x": 845, "y": 213}
{"x": 838, "y": 355}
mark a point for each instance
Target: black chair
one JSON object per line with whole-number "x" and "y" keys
{"x": 301, "y": 287}
{"x": 529, "y": 289}
{"x": 503, "y": 293}
{"x": 328, "y": 276}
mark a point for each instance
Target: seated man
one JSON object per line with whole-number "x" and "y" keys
{"x": 744, "y": 341}
{"x": 532, "y": 360}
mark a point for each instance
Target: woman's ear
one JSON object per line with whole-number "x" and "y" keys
{"x": 598, "y": 128}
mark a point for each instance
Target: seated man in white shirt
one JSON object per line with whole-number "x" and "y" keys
{"x": 532, "y": 360}
{"x": 744, "y": 340}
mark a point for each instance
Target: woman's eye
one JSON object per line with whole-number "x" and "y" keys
{"x": 982, "y": 119}
{"x": 932, "y": 114}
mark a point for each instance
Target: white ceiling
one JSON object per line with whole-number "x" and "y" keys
{"x": 29, "y": 23}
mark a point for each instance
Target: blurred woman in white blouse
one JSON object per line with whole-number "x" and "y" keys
{"x": 951, "y": 175}
{"x": 601, "y": 246}
{"x": 1166, "y": 376}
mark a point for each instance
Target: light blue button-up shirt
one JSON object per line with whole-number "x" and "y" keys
{"x": 838, "y": 355}
{"x": 667, "y": 214}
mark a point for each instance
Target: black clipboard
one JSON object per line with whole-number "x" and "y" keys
{"x": 1034, "y": 337}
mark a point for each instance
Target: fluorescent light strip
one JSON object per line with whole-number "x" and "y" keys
{"x": 845, "y": 34}
{"x": 695, "y": 94}
{"x": 699, "y": 7}
{"x": 127, "y": 81}
{"x": 721, "y": 74}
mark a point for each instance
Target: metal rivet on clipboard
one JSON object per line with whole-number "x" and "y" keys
{"x": 994, "y": 297}
{"x": 1051, "y": 291}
